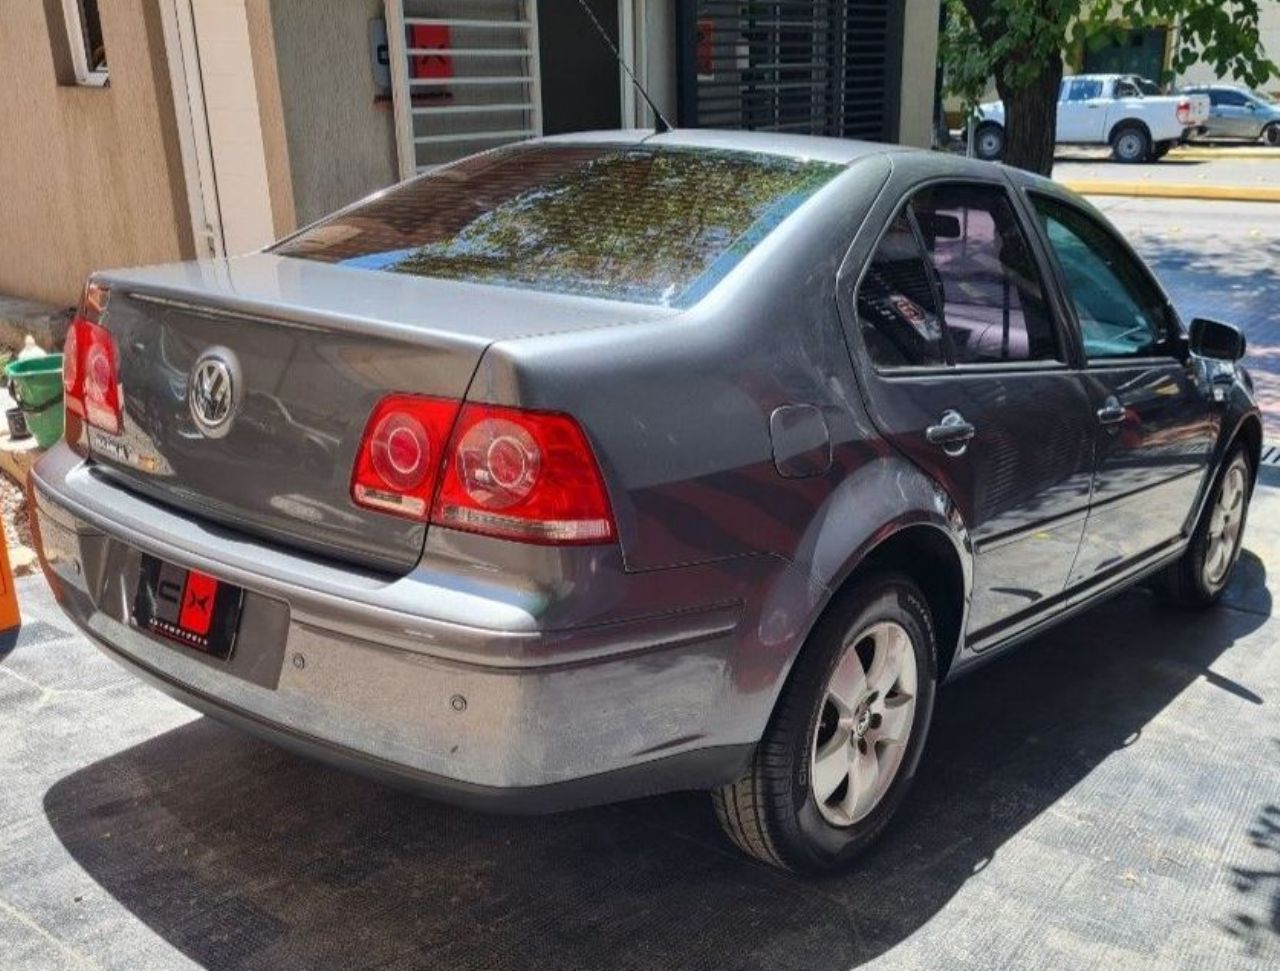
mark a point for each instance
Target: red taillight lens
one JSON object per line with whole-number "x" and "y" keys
{"x": 400, "y": 454}
{"x": 90, "y": 376}
{"x": 1184, "y": 112}
{"x": 525, "y": 475}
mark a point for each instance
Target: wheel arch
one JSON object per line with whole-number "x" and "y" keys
{"x": 1124, "y": 123}
{"x": 1248, "y": 433}
{"x": 935, "y": 554}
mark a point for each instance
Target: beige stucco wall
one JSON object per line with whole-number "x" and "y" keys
{"x": 89, "y": 177}
{"x": 919, "y": 72}
{"x": 327, "y": 141}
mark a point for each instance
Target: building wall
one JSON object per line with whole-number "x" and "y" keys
{"x": 1269, "y": 28}
{"x": 919, "y": 72}
{"x": 339, "y": 141}
{"x": 90, "y": 178}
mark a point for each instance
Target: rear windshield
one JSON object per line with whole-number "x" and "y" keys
{"x": 648, "y": 225}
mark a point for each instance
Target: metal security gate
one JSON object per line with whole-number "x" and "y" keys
{"x": 464, "y": 77}
{"x": 820, "y": 67}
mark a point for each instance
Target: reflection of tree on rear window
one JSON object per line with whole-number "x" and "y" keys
{"x": 648, "y": 225}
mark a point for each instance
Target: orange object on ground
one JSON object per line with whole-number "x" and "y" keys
{"x": 9, "y": 616}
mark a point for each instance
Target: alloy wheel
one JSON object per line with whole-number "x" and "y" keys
{"x": 864, "y": 725}
{"x": 1225, "y": 523}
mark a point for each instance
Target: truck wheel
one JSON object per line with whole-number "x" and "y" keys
{"x": 845, "y": 738}
{"x": 1271, "y": 134}
{"x": 1130, "y": 144}
{"x": 1200, "y": 575}
{"x": 988, "y": 141}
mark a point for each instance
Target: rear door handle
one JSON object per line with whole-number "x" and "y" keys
{"x": 1111, "y": 412}
{"x": 952, "y": 432}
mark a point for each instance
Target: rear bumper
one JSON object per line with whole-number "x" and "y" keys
{"x": 510, "y": 718}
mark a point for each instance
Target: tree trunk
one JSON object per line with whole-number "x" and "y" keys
{"x": 1031, "y": 119}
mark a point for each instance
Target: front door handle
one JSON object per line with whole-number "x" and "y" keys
{"x": 952, "y": 432}
{"x": 1111, "y": 412}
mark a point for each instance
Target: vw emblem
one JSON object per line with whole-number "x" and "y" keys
{"x": 212, "y": 392}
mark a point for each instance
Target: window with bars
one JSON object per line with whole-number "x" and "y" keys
{"x": 465, "y": 77}
{"x": 818, "y": 67}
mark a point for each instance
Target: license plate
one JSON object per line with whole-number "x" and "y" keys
{"x": 188, "y": 607}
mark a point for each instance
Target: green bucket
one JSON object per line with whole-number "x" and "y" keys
{"x": 36, "y": 384}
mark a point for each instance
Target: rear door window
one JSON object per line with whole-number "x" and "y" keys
{"x": 993, "y": 304}
{"x": 896, "y": 304}
{"x": 648, "y": 225}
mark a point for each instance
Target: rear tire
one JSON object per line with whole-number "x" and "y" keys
{"x": 858, "y": 701}
{"x": 1131, "y": 144}
{"x": 1271, "y": 134}
{"x": 1200, "y": 575}
{"x": 988, "y": 142}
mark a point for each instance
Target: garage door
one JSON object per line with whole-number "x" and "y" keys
{"x": 821, "y": 67}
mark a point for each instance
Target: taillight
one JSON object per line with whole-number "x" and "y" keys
{"x": 401, "y": 452}
{"x": 90, "y": 374}
{"x": 1184, "y": 112}
{"x": 524, "y": 475}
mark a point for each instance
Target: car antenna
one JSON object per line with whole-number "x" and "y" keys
{"x": 660, "y": 124}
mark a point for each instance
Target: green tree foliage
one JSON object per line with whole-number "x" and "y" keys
{"x": 1021, "y": 45}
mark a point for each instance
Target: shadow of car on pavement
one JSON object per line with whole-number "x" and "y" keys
{"x": 244, "y": 856}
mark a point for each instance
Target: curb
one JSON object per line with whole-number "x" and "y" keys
{"x": 1173, "y": 190}
{"x": 1210, "y": 152}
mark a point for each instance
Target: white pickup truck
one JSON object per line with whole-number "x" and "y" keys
{"x": 1121, "y": 110}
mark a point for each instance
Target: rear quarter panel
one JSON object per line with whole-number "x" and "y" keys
{"x": 678, "y": 409}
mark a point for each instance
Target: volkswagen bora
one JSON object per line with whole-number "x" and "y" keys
{"x": 616, "y": 464}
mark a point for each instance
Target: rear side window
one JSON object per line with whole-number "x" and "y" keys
{"x": 992, "y": 299}
{"x": 1122, "y": 313}
{"x": 648, "y": 225}
{"x": 953, "y": 282}
{"x": 897, "y": 309}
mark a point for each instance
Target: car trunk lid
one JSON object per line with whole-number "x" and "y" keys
{"x": 311, "y": 348}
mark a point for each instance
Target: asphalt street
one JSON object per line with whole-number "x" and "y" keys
{"x": 1106, "y": 797}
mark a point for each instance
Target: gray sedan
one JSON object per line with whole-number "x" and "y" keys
{"x": 1238, "y": 113}
{"x": 607, "y": 465}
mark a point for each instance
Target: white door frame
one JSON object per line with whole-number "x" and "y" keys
{"x": 193, "y": 127}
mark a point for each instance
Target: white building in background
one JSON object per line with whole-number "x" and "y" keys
{"x": 1269, "y": 20}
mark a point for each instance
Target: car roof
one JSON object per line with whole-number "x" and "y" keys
{"x": 841, "y": 151}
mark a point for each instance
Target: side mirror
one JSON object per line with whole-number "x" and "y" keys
{"x": 1213, "y": 338}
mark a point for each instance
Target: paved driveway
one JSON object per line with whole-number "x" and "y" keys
{"x": 1107, "y": 797}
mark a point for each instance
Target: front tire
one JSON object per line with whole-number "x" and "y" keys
{"x": 1200, "y": 575}
{"x": 846, "y": 736}
{"x": 1131, "y": 144}
{"x": 1271, "y": 134}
